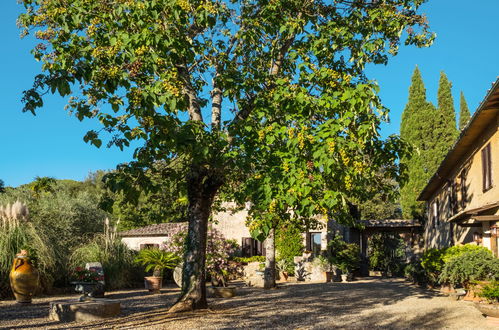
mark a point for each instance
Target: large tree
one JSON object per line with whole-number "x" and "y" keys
{"x": 263, "y": 94}
{"x": 444, "y": 132}
{"x": 464, "y": 112}
{"x": 415, "y": 128}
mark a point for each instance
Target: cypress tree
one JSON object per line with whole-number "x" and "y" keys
{"x": 416, "y": 125}
{"x": 464, "y": 113}
{"x": 445, "y": 131}
{"x": 432, "y": 132}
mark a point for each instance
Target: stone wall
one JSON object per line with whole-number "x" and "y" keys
{"x": 440, "y": 233}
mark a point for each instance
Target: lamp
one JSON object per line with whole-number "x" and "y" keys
{"x": 494, "y": 230}
{"x": 477, "y": 237}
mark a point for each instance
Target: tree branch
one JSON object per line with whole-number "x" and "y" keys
{"x": 194, "y": 109}
{"x": 275, "y": 68}
{"x": 216, "y": 104}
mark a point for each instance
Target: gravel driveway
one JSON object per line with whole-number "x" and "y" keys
{"x": 367, "y": 303}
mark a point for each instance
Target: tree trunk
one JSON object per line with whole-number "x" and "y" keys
{"x": 202, "y": 186}
{"x": 269, "y": 277}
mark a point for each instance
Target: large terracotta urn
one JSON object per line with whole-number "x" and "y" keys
{"x": 23, "y": 278}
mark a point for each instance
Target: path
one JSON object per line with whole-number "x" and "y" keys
{"x": 370, "y": 303}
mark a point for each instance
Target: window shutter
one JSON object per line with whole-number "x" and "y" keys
{"x": 246, "y": 246}
{"x": 484, "y": 170}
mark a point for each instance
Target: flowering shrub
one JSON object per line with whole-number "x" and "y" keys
{"x": 219, "y": 254}
{"x": 87, "y": 275}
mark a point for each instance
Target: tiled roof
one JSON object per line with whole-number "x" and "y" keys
{"x": 391, "y": 223}
{"x": 160, "y": 229}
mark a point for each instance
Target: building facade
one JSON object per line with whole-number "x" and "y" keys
{"x": 462, "y": 197}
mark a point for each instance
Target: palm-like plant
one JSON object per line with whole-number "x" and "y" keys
{"x": 157, "y": 259}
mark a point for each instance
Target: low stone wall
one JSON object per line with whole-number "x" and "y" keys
{"x": 306, "y": 270}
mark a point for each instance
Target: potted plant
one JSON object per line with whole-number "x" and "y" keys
{"x": 156, "y": 260}
{"x": 327, "y": 266}
{"x": 88, "y": 282}
{"x": 345, "y": 256}
{"x": 282, "y": 267}
{"x": 348, "y": 260}
{"x": 490, "y": 292}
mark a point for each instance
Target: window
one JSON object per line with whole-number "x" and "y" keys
{"x": 435, "y": 213}
{"x": 149, "y": 246}
{"x": 464, "y": 190}
{"x": 251, "y": 247}
{"x": 314, "y": 243}
{"x": 453, "y": 198}
{"x": 486, "y": 168}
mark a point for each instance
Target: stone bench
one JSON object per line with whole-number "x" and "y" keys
{"x": 91, "y": 310}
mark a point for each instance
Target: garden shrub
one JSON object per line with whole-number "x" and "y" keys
{"x": 474, "y": 265}
{"x": 432, "y": 262}
{"x": 247, "y": 260}
{"x": 345, "y": 256}
{"x": 116, "y": 258}
{"x": 415, "y": 272}
{"x": 289, "y": 244}
{"x": 491, "y": 292}
{"x": 457, "y": 250}
{"x": 387, "y": 253}
{"x": 219, "y": 253}
{"x": 66, "y": 216}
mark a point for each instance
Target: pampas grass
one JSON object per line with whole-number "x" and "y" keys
{"x": 116, "y": 258}
{"x": 17, "y": 233}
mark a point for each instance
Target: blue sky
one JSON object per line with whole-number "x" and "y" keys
{"x": 51, "y": 144}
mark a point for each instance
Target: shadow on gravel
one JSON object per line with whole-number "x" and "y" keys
{"x": 309, "y": 305}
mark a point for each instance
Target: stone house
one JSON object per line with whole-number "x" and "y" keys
{"x": 462, "y": 197}
{"x": 231, "y": 224}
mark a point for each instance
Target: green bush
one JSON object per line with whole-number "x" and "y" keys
{"x": 116, "y": 258}
{"x": 474, "y": 265}
{"x": 117, "y": 261}
{"x": 289, "y": 244}
{"x": 457, "y": 250}
{"x": 491, "y": 292}
{"x": 415, "y": 273}
{"x": 432, "y": 262}
{"x": 247, "y": 260}
{"x": 346, "y": 256}
{"x": 386, "y": 253}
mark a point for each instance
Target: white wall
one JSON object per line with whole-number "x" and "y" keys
{"x": 134, "y": 243}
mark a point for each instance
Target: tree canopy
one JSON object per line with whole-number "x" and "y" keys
{"x": 432, "y": 132}
{"x": 260, "y": 100}
{"x": 415, "y": 127}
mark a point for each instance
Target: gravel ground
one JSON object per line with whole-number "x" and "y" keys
{"x": 367, "y": 303}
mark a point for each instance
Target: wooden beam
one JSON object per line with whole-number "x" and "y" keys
{"x": 477, "y": 224}
{"x": 486, "y": 217}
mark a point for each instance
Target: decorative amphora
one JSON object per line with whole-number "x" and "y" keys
{"x": 23, "y": 278}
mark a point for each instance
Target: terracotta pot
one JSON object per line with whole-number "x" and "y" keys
{"x": 285, "y": 275}
{"x": 329, "y": 276}
{"x": 23, "y": 279}
{"x": 491, "y": 310}
{"x": 153, "y": 283}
